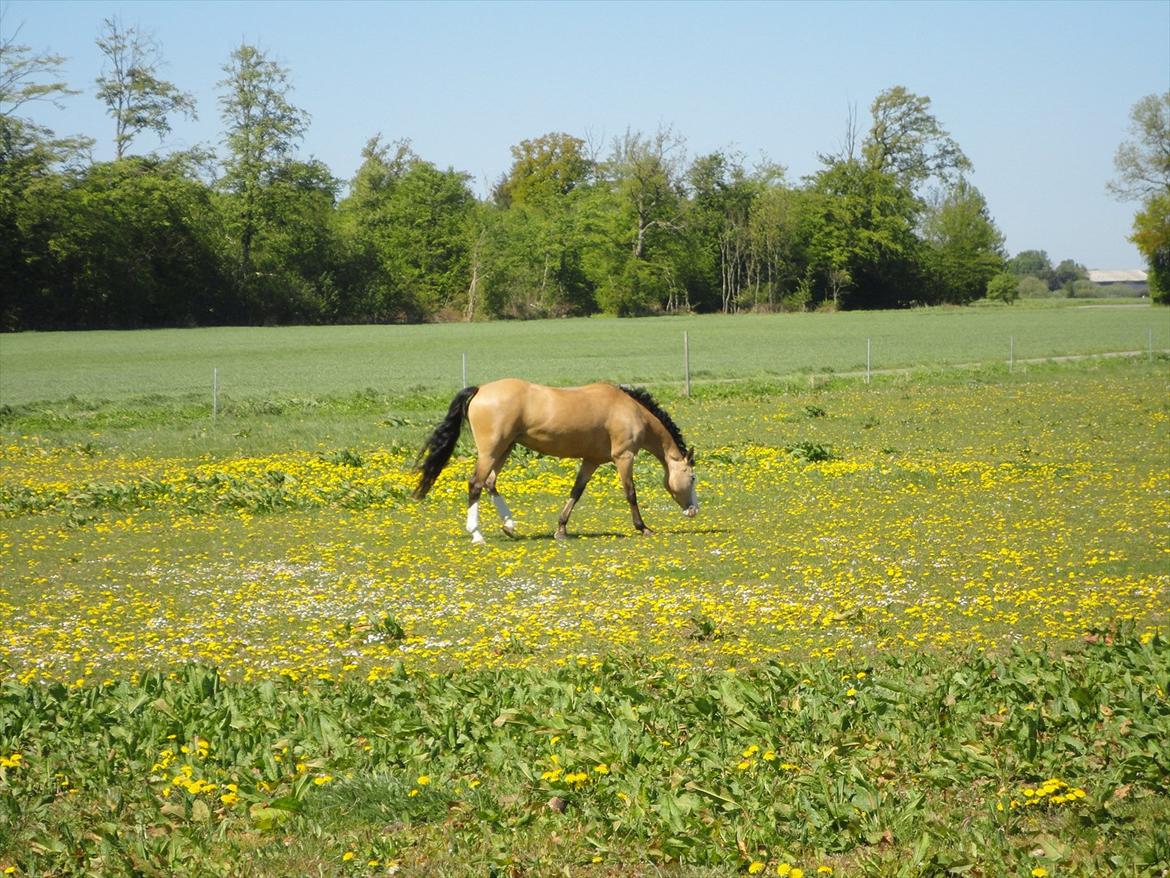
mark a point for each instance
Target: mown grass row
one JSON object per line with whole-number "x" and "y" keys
{"x": 938, "y": 764}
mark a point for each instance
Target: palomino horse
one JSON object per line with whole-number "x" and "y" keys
{"x": 596, "y": 423}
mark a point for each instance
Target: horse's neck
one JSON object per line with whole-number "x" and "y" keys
{"x": 657, "y": 439}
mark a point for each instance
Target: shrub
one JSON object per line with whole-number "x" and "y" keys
{"x": 1003, "y": 288}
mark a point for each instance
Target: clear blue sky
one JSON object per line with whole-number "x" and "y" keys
{"x": 1037, "y": 94}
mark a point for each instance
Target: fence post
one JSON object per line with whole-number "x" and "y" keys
{"x": 868, "y": 359}
{"x": 687, "y": 361}
{"x": 464, "y": 368}
{"x": 214, "y": 393}
{"x": 1011, "y": 353}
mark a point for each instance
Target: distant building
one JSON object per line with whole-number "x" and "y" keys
{"x": 1132, "y": 281}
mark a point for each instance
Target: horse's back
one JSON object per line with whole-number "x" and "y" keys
{"x": 562, "y": 421}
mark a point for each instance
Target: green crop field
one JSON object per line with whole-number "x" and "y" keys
{"x": 919, "y": 626}
{"x": 311, "y": 362}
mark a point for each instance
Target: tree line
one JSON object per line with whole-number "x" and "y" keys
{"x": 259, "y": 235}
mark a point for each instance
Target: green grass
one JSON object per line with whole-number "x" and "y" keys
{"x": 306, "y": 363}
{"x": 902, "y": 766}
{"x": 923, "y": 597}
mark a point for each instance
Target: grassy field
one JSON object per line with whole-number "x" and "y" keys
{"x": 299, "y": 362}
{"x": 918, "y": 628}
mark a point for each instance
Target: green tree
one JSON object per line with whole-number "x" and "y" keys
{"x": 1143, "y": 174}
{"x": 644, "y": 174}
{"x": 414, "y": 224}
{"x": 1143, "y": 162}
{"x": 1151, "y": 234}
{"x": 906, "y": 140}
{"x": 779, "y": 245}
{"x": 1003, "y": 287}
{"x": 865, "y": 208}
{"x": 1031, "y": 263}
{"x": 124, "y": 244}
{"x": 301, "y": 257}
{"x": 27, "y": 76}
{"x": 1032, "y": 287}
{"x": 130, "y": 88}
{"x": 720, "y": 220}
{"x": 1066, "y": 274}
{"x": 544, "y": 169}
{"x": 537, "y": 247}
{"x": 29, "y": 154}
{"x": 965, "y": 247}
{"x": 261, "y": 131}
{"x": 863, "y": 251}
{"x": 372, "y": 293}
{"x": 425, "y": 241}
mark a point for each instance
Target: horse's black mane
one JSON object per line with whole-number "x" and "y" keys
{"x": 655, "y": 409}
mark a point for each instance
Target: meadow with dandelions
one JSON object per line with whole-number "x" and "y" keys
{"x": 919, "y": 627}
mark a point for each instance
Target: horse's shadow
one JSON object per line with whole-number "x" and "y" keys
{"x": 574, "y": 536}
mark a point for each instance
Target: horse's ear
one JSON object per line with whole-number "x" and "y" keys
{"x": 691, "y": 456}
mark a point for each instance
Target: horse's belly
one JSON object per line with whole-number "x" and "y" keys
{"x": 585, "y": 444}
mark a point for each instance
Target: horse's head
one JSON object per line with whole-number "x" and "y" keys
{"x": 680, "y": 481}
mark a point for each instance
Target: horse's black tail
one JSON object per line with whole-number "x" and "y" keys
{"x": 438, "y": 448}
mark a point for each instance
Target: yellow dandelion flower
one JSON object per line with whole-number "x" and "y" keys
{"x": 755, "y": 868}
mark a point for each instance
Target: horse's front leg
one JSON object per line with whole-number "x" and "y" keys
{"x": 583, "y": 476}
{"x": 625, "y": 468}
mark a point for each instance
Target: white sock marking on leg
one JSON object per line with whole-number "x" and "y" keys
{"x": 502, "y": 510}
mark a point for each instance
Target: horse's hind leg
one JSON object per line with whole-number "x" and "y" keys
{"x": 484, "y": 476}
{"x": 502, "y": 509}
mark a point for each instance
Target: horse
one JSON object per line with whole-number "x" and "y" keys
{"x": 595, "y": 424}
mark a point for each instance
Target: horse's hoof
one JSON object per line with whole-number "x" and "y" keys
{"x": 509, "y": 530}
{"x": 560, "y": 536}
{"x": 476, "y": 538}
{"x": 646, "y": 532}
